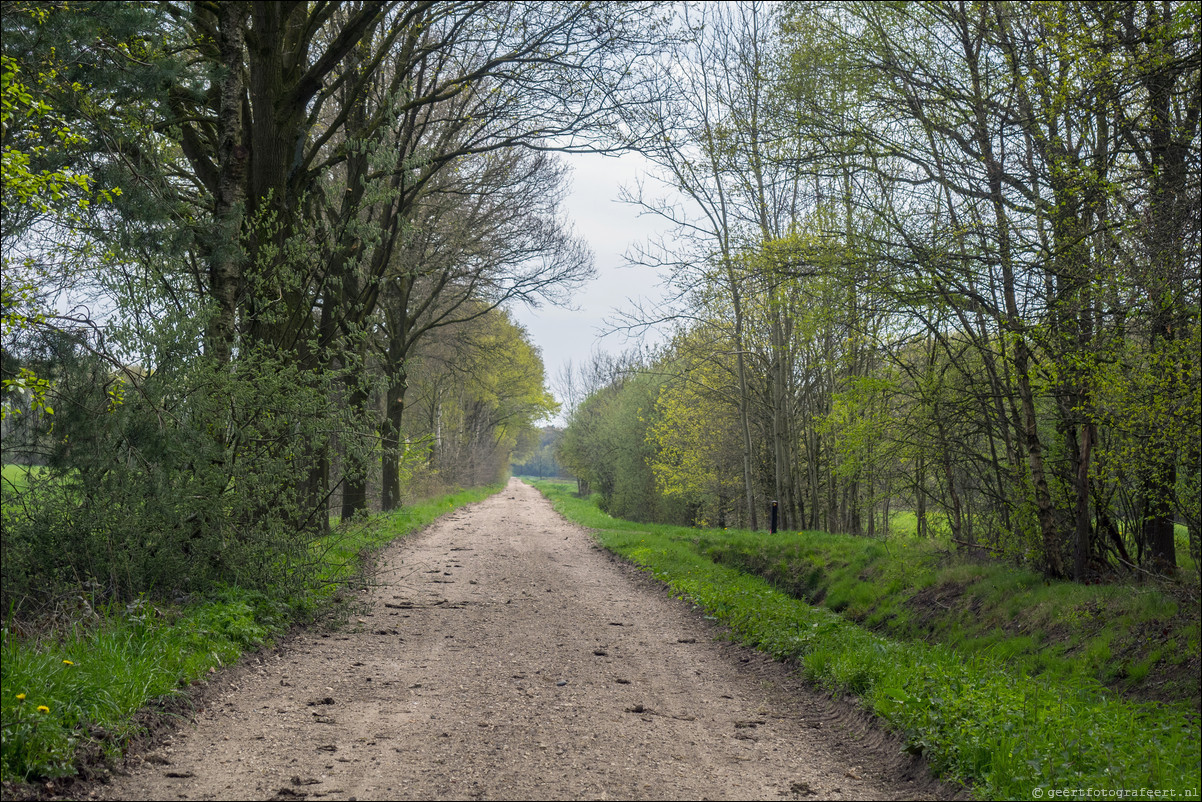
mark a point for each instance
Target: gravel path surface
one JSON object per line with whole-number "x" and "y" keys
{"x": 505, "y": 656}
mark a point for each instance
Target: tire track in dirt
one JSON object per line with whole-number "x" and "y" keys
{"x": 504, "y": 655}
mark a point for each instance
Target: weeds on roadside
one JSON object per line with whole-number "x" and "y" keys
{"x": 88, "y": 683}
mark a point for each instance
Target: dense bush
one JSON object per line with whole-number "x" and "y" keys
{"x": 606, "y": 448}
{"x": 169, "y": 483}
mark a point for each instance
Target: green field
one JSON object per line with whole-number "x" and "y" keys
{"x": 16, "y": 477}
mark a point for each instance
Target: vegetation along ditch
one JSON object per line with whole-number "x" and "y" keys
{"x": 1004, "y": 682}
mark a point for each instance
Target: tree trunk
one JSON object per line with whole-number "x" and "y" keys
{"x": 1171, "y": 206}
{"x": 315, "y": 492}
{"x": 393, "y": 451}
{"x": 229, "y": 201}
{"x": 920, "y": 500}
{"x": 1012, "y": 322}
{"x": 354, "y": 469}
{"x": 1084, "y": 523}
{"x": 782, "y": 429}
{"x": 744, "y": 396}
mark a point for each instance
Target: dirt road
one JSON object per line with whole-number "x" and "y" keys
{"x": 506, "y": 656}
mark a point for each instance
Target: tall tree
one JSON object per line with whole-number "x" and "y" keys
{"x": 487, "y": 235}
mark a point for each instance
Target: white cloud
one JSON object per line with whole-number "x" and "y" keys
{"x": 611, "y": 228}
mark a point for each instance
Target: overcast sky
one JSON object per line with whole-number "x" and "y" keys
{"x": 610, "y": 227}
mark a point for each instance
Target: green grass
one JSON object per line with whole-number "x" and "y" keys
{"x": 977, "y": 716}
{"x": 82, "y": 688}
{"x": 16, "y": 477}
{"x": 75, "y": 690}
{"x": 920, "y": 590}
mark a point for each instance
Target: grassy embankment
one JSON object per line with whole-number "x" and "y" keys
{"x": 1004, "y": 682}
{"x": 75, "y": 690}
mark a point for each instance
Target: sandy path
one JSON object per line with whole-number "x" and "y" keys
{"x": 506, "y": 656}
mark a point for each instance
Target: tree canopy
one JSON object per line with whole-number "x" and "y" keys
{"x": 939, "y": 257}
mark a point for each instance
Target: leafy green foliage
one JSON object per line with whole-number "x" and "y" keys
{"x": 606, "y": 446}
{"x": 34, "y": 185}
{"x": 477, "y": 390}
{"x": 27, "y": 120}
{"x": 893, "y": 215}
{"x": 231, "y": 301}
{"x": 170, "y": 483}
{"x": 541, "y": 461}
{"x": 695, "y": 453}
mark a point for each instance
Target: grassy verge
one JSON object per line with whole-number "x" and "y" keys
{"x": 977, "y": 718}
{"x": 1138, "y": 640}
{"x": 74, "y": 691}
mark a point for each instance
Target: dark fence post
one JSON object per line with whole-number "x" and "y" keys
{"x": 774, "y": 517}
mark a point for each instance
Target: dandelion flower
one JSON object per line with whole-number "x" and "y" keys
{"x": 20, "y": 697}
{"x": 68, "y": 663}
{"x": 43, "y": 709}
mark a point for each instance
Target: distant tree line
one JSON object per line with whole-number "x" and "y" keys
{"x": 542, "y": 462}
{"x": 940, "y": 257}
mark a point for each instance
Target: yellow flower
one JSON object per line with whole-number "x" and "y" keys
{"x": 43, "y": 709}
{"x": 68, "y": 663}
{"x": 20, "y": 697}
